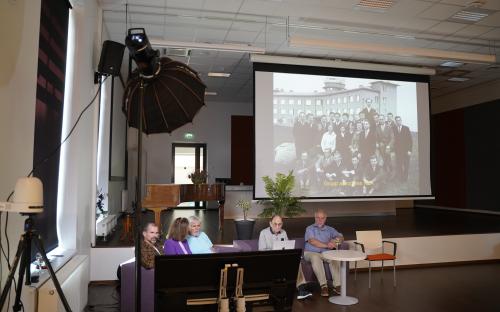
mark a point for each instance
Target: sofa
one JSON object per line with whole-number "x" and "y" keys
{"x": 127, "y": 291}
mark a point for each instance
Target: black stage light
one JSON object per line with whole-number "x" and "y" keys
{"x": 140, "y": 50}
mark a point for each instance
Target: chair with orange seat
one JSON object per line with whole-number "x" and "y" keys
{"x": 372, "y": 244}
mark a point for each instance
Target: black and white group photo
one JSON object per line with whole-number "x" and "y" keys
{"x": 355, "y": 137}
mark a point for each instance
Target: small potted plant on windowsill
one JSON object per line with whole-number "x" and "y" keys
{"x": 244, "y": 227}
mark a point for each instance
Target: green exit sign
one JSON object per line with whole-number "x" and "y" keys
{"x": 188, "y": 136}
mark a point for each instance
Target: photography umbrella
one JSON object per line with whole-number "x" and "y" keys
{"x": 172, "y": 97}
{"x": 161, "y": 95}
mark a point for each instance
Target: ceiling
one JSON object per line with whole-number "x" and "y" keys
{"x": 269, "y": 24}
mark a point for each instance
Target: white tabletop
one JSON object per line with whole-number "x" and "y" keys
{"x": 344, "y": 255}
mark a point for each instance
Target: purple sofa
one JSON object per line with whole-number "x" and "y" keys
{"x": 127, "y": 289}
{"x": 253, "y": 245}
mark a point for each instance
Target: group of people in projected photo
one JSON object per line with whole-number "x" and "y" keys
{"x": 348, "y": 154}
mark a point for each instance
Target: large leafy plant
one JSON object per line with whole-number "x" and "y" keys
{"x": 281, "y": 202}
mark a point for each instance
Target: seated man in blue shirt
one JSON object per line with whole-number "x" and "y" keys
{"x": 320, "y": 237}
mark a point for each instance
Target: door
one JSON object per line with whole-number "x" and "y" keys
{"x": 186, "y": 158}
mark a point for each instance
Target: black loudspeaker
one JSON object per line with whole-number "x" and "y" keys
{"x": 111, "y": 58}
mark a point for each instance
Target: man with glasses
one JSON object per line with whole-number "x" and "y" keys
{"x": 275, "y": 233}
{"x": 320, "y": 237}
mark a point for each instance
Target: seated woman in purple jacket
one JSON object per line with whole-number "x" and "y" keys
{"x": 176, "y": 244}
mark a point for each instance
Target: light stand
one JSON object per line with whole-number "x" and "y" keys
{"x": 147, "y": 63}
{"x": 23, "y": 253}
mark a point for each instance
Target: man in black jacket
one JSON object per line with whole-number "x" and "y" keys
{"x": 402, "y": 148}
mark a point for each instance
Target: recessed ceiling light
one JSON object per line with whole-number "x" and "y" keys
{"x": 375, "y": 4}
{"x": 215, "y": 74}
{"x": 471, "y": 15}
{"x": 458, "y": 79}
{"x": 210, "y": 93}
{"x": 451, "y": 64}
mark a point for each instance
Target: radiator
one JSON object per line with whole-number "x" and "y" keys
{"x": 74, "y": 280}
{"x": 104, "y": 225}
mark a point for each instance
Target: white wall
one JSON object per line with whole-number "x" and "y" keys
{"x": 19, "y": 21}
{"x": 442, "y": 249}
{"x": 212, "y": 125}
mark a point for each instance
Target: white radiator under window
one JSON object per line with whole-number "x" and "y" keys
{"x": 74, "y": 280}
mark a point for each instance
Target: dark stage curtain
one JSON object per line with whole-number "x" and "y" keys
{"x": 49, "y": 110}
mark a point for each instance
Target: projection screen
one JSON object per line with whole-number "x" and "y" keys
{"x": 346, "y": 134}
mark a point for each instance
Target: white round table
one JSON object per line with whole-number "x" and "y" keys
{"x": 343, "y": 256}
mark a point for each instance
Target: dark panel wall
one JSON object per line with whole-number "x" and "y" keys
{"x": 466, "y": 154}
{"x": 482, "y": 141}
{"x": 449, "y": 159}
{"x": 242, "y": 149}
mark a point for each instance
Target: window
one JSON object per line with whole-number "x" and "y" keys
{"x": 282, "y": 101}
{"x": 49, "y": 113}
{"x": 291, "y": 101}
{"x": 275, "y": 101}
{"x": 283, "y": 111}
{"x": 318, "y": 102}
{"x": 351, "y": 99}
{"x": 308, "y": 102}
{"x": 275, "y": 110}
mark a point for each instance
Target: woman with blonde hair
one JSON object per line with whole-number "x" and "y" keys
{"x": 177, "y": 244}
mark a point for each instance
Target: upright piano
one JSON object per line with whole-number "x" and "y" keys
{"x": 160, "y": 197}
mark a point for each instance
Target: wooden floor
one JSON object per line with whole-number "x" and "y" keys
{"x": 473, "y": 287}
{"x": 406, "y": 223}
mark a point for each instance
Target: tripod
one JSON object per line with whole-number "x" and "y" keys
{"x": 23, "y": 253}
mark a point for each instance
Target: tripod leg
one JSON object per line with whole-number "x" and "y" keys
{"x": 10, "y": 278}
{"x": 39, "y": 245}
{"x": 25, "y": 266}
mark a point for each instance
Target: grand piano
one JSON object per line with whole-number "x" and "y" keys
{"x": 160, "y": 197}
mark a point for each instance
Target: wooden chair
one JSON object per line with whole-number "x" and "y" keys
{"x": 372, "y": 244}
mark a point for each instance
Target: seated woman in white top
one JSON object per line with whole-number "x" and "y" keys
{"x": 198, "y": 241}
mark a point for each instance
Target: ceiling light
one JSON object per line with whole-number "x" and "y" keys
{"x": 241, "y": 48}
{"x": 458, "y": 79}
{"x": 375, "y": 4}
{"x": 210, "y": 93}
{"x": 470, "y": 15}
{"x": 451, "y": 64}
{"x": 295, "y": 41}
{"x": 223, "y": 75}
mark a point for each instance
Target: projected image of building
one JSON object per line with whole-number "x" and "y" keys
{"x": 336, "y": 98}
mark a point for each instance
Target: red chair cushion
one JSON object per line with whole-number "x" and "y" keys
{"x": 380, "y": 257}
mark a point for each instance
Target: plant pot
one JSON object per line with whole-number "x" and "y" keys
{"x": 244, "y": 228}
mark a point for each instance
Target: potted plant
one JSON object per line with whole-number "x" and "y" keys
{"x": 198, "y": 177}
{"x": 280, "y": 202}
{"x": 244, "y": 227}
